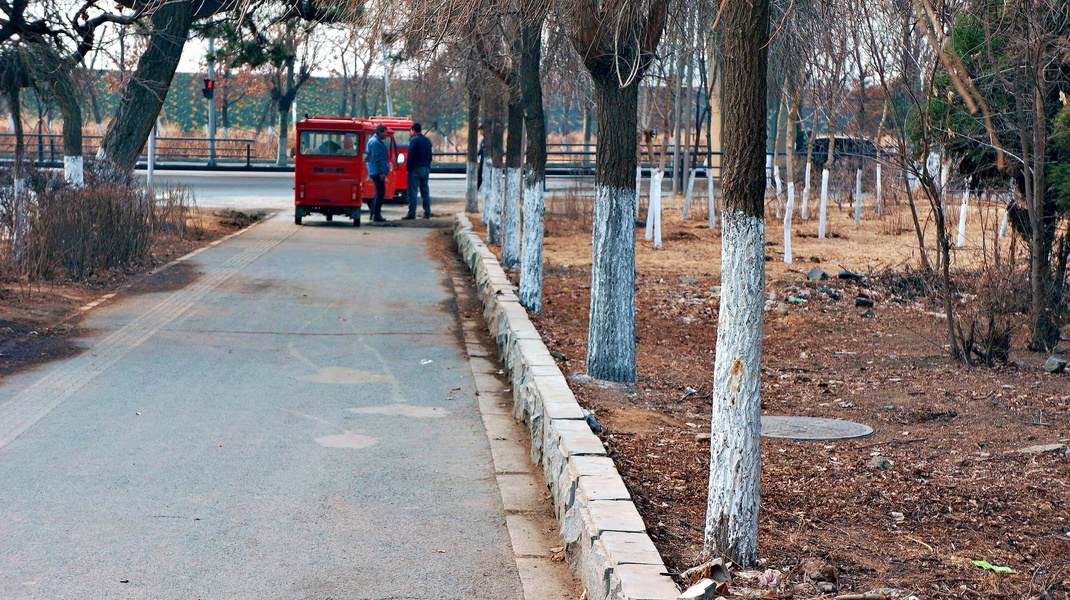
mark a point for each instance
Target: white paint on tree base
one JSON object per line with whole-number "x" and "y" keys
{"x": 74, "y": 170}
{"x": 806, "y": 194}
{"x": 638, "y": 188}
{"x": 779, "y": 187}
{"x": 960, "y": 240}
{"x": 494, "y": 184}
{"x": 611, "y": 338}
{"x": 531, "y": 250}
{"x": 879, "y": 192}
{"x": 711, "y": 205}
{"x": 653, "y": 210}
{"x": 484, "y": 214}
{"x": 823, "y": 207}
{"x": 735, "y": 454}
{"x": 858, "y": 196}
{"x": 471, "y": 195}
{"x": 511, "y": 219}
{"x": 1006, "y": 221}
{"x": 788, "y": 210}
{"x": 687, "y": 195}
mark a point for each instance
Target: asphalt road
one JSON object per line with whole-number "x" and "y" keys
{"x": 290, "y": 417}
{"x": 274, "y": 191}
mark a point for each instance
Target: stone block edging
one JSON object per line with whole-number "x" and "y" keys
{"x": 606, "y": 543}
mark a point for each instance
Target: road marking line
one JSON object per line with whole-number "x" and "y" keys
{"x": 29, "y": 406}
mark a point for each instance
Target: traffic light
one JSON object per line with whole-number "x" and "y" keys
{"x": 209, "y": 88}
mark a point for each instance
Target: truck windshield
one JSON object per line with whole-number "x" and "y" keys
{"x": 329, "y": 143}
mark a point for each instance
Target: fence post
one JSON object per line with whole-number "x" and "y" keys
{"x": 248, "y": 155}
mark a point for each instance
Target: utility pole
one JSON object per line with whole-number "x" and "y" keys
{"x": 211, "y": 102}
{"x": 386, "y": 81}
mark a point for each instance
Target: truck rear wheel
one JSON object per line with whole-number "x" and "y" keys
{"x": 297, "y": 216}
{"x": 330, "y": 217}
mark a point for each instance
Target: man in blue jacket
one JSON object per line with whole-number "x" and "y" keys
{"x": 419, "y": 165}
{"x": 378, "y": 168}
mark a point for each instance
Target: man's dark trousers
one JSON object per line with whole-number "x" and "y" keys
{"x": 417, "y": 183}
{"x": 376, "y": 207}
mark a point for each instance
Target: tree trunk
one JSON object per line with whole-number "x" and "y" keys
{"x": 492, "y": 199}
{"x": 18, "y": 241}
{"x": 809, "y": 168}
{"x": 144, "y": 93}
{"x": 471, "y": 198}
{"x": 514, "y": 158}
{"x": 735, "y": 455}
{"x": 611, "y": 334}
{"x": 1044, "y": 333}
{"x": 826, "y": 172}
{"x": 534, "y": 183}
{"x": 789, "y": 171}
{"x": 67, "y": 97}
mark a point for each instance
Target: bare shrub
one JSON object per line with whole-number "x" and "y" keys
{"x": 81, "y": 232}
{"x": 569, "y": 210}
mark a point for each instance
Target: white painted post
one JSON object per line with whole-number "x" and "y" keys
{"x": 961, "y": 240}
{"x": 653, "y": 209}
{"x": 880, "y": 192}
{"x": 788, "y": 210}
{"x": 858, "y": 196}
{"x": 823, "y": 207}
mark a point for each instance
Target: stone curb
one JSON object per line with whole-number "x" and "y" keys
{"x": 606, "y": 543}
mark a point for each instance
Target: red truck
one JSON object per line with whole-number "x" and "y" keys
{"x": 401, "y": 128}
{"x": 330, "y": 172}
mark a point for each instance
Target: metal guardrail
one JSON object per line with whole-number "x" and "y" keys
{"x": 237, "y": 154}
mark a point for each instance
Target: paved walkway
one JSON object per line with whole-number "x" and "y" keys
{"x": 299, "y": 422}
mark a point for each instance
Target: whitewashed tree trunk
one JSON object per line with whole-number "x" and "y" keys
{"x": 511, "y": 219}
{"x": 768, "y": 171}
{"x": 960, "y": 241}
{"x": 611, "y": 343}
{"x": 653, "y": 209}
{"x": 803, "y": 211}
{"x": 789, "y": 208}
{"x": 531, "y": 251}
{"x": 879, "y": 192}
{"x": 484, "y": 214}
{"x": 1005, "y": 222}
{"x": 687, "y": 195}
{"x": 735, "y": 456}
{"x": 711, "y": 205}
{"x": 471, "y": 195}
{"x": 74, "y": 170}
{"x": 858, "y": 196}
{"x": 779, "y": 187}
{"x": 497, "y": 197}
{"x": 822, "y": 210}
{"x": 638, "y": 188}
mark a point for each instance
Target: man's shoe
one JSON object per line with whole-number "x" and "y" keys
{"x": 428, "y": 215}
{"x": 408, "y": 217}
{"x": 379, "y": 219}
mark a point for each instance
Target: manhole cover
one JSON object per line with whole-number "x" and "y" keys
{"x": 812, "y": 428}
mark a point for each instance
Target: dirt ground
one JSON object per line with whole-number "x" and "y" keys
{"x": 835, "y": 518}
{"x": 39, "y": 320}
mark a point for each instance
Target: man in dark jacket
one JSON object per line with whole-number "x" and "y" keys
{"x": 419, "y": 166}
{"x": 378, "y": 168}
